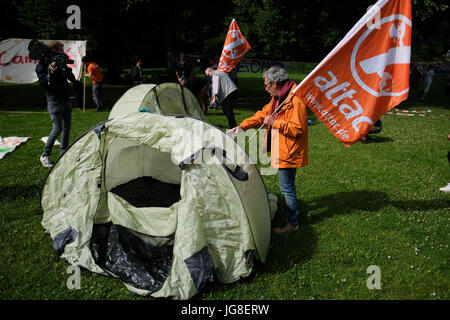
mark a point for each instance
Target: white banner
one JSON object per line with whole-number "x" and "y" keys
{"x": 17, "y": 67}
{"x": 8, "y": 144}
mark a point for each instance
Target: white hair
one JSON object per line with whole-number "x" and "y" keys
{"x": 276, "y": 74}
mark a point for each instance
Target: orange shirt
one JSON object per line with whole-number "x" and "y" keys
{"x": 94, "y": 70}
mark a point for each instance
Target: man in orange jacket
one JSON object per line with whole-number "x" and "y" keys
{"x": 286, "y": 120}
{"x": 97, "y": 82}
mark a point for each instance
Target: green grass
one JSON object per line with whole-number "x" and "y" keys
{"x": 376, "y": 204}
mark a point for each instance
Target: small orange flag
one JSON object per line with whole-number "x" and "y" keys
{"x": 234, "y": 48}
{"x": 365, "y": 75}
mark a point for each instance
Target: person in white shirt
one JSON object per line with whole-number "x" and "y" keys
{"x": 428, "y": 79}
{"x": 224, "y": 92}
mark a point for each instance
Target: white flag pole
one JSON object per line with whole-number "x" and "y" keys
{"x": 84, "y": 86}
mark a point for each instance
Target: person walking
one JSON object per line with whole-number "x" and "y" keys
{"x": 97, "y": 82}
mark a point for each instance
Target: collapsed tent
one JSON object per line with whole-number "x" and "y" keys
{"x": 165, "y": 203}
{"x": 166, "y": 98}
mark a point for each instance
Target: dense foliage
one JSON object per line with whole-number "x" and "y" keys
{"x": 118, "y": 31}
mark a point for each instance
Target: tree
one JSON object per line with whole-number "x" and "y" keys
{"x": 119, "y": 31}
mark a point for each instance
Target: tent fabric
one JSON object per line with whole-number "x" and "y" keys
{"x": 209, "y": 224}
{"x": 166, "y": 98}
{"x": 116, "y": 249}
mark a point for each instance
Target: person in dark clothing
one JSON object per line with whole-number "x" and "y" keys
{"x": 78, "y": 94}
{"x": 447, "y": 187}
{"x": 375, "y": 129}
{"x": 54, "y": 79}
{"x": 136, "y": 75}
{"x": 184, "y": 71}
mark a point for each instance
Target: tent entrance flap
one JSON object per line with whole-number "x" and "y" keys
{"x": 130, "y": 256}
{"x": 148, "y": 192}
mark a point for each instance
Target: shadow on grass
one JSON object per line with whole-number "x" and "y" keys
{"x": 381, "y": 139}
{"x": 19, "y": 192}
{"x": 346, "y": 203}
{"x": 297, "y": 248}
{"x": 365, "y": 200}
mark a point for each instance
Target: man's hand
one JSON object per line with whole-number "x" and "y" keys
{"x": 213, "y": 101}
{"x": 52, "y": 67}
{"x": 269, "y": 120}
{"x": 235, "y": 131}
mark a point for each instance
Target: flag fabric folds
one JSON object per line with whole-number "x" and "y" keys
{"x": 234, "y": 48}
{"x": 365, "y": 75}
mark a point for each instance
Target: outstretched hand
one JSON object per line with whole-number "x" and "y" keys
{"x": 235, "y": 131}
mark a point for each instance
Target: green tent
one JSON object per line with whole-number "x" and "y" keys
{"x": 166, "y": 98}
{"x": 165, "y": 203}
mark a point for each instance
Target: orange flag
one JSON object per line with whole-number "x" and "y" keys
{"x": 365, "y": 75}
{"x": 234, "y": 48}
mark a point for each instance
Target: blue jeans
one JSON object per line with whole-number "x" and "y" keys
{"x": 61, "y": 114}
{"x": 97, "y": 95}
{"x": 287, "y": 186}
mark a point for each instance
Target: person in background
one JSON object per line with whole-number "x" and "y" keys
{"x": 286, "y": 120}
{"x": 184, "y": 71}
{"x": 234, "y": 75}
{"x": 136, "y": 74}
{"x": 224, "y": 92}
{"x": 93, "y": 72}
{"x": 428, "y": 79}
{"x": 53, "y": 78}
{"x": 447, "y": 187}
{"x": 377, "y": 127}
{"x": 212, "y": 64}
{"x": 414, "y": 79}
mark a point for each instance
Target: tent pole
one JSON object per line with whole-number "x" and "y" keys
{"x": 84, "y": 86}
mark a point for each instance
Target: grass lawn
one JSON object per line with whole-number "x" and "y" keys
{"x": 375, "y": 204}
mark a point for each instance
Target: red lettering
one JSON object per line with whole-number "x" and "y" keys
{"x": 70, "y": 58}
{"x": 1, "y": 54}
{"x": 18, "y": 60}
{"x": 29, "y": 60}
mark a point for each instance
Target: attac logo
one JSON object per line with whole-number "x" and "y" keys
{"x": 373, "y": 66}
{"x": 365, "y": 75}
{"x": 234, "y": 49}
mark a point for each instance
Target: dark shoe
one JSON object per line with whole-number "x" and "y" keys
{"x": 366, "y": 140}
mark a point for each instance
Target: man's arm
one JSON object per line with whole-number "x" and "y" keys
{"x": 215, "y": 88}
{"x": 257, "y": 119}
{"x": 70, "y": 76}
{"x": 42, "y": 74}
{"x": 215, "y": 85}
{"x": 89, "y": 71}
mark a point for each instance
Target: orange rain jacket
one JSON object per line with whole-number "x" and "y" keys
{"x": 289, "y": 144}
{"x": 96, "y": 75}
